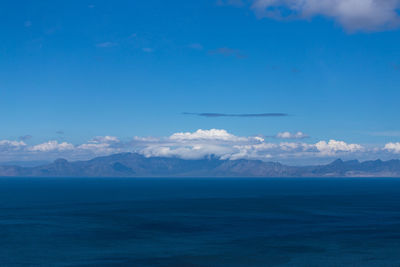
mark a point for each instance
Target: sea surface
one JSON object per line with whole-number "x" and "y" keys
{"x": 199, "y": 222}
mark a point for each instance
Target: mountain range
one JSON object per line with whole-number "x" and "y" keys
{"x": 136, "y": 165}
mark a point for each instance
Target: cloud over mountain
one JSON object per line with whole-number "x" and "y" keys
{"x": 333, "y": 146}
{"x": 52, "y": 146}
{"x": 7, "y": 145}
{"x": 212, "y": 134}
{"x": 198, "y": 144}
{"x": 393, "y": 147}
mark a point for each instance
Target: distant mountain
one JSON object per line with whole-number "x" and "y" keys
{"x": 32, "y": 163}
{"x": 136, "y": 165}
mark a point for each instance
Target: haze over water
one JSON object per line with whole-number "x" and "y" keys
{"x": 199, "y": 222}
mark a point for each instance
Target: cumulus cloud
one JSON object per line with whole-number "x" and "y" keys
{"x": 197, "y": 144}
{"x": 288, "y": 135}
{"x": 333, "y": 146}
{"x": 7, "y": 145}
{"x": 213, "y": 134}
{"x": 52, "y": 146}
{"x": 265, "y": 150}
{"x": 393, "y": 147}
{"x": 353, "y": 15}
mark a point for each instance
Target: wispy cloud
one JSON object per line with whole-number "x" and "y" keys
{"x": 352, "y": 15}
{"x": 296, "y": 70}
{"x": 196, "y": 46}
{"x": 148, "y": 49}
{"x": 106, "y": 44}
{"x": 396, "y": 67}
{"x": 244, "y": 115}
{"x": 226, "y": 51}
{"x": 28, "y": 23}
{"x": 386, "y": 133}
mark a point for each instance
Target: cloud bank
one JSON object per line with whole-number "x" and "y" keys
{"x": 201, "y": 143}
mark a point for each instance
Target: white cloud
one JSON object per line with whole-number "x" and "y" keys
{"x": 334, "y": 146}
{"x": 258, "y": 139}
{"x": 213, "y": 134}
{"x": 95, "y": 146}
{"x": 253, "y": 151}
{"x": 101, "y": 144}
{"x": 198, "y": 144}
{"x": 104, "y": 139}
{"x": 52, "y": 146}
{"x": 286, "y": 146}
{"x": 353, "y": 15}
{"x": 393, "y": 147}
{"x": 7, "y": 145}
{"x": 145, "y": 139}
{"x": 288, "y": 135}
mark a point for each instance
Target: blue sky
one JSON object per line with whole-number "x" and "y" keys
{"x": 74, "y": 70}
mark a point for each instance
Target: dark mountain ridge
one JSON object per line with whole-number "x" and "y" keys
{"x": 136, "y": 165}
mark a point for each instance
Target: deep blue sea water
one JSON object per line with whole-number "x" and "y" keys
{"x": 199, "y": 222}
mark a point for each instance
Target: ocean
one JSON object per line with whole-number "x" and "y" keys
{"x": 199, "y": 222}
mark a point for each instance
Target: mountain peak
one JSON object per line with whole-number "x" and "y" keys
{"x": 337, "y": 162}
